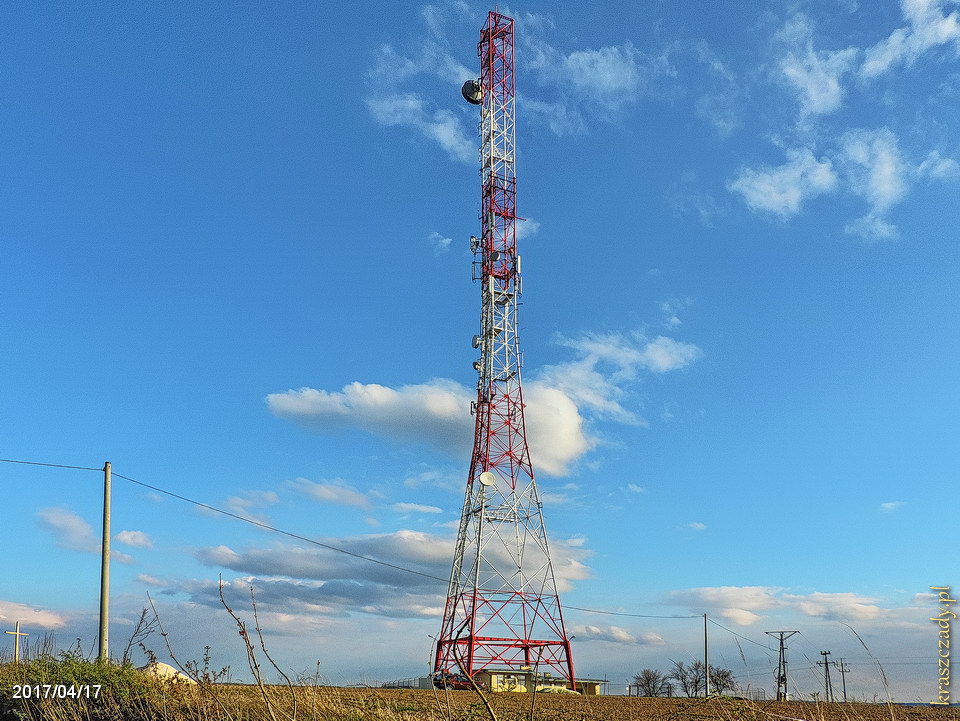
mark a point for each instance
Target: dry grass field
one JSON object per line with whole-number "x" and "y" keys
{"x": 315, "y": 703}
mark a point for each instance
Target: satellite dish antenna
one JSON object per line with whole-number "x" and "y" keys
{"x": 487, "y": 479}
{"x": 476, "y": 341}
{"x": 472, "y": 92}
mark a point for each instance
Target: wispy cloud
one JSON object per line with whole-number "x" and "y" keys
{"x": 891, "y": 506}
{"x": 877, "y": 170}
{"x": 590, "y": 84}
{"x": 696, "y": 526}
{"x": 73, "y": 533}
{"x": 927, "y": 27}
{"x": 414, "y": 508}
{"x": 815, "y": 75}
{"x": 783, "y": 189}
{"x": 245, "y": 502}
{"x": 608, "y": 363}
{"x": 440, "y": 243}
{"x": 335, "y": 491}
{"x": 412, "y": 111}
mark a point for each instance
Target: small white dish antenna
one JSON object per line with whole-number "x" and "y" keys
{"x": 487, "y": 479}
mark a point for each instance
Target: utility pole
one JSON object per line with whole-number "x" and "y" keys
{"x": 782, "y": 662}
{"x": 843, "y": 667}
{"x": 706, "y": 661}
{"x": 16, "y": 641}
{"x": 827, "y": 686}
{"x": 104, "y": 654}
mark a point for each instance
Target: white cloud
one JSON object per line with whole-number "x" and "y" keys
{"x": 438, "y": 413}
{"x": 842, "y": 606}
{"x": 410, "y": 110}
{"x": 739, "y": 604}
{"x": 634, "y": 488}
{"x": 608, "y": 363}
{"x": 331, "y": 492}
{"x": 440, "y": 243}
{"x": 815, "y": 75}
{"x": 876, "y": 170}
{"x": 596, "y": 83}
{"x": 294, "y": 578}
{"x": 527, "y": 229}
{"x": 137, "y": 539}
{"x": 244, "y": 503}
{"x": 149, "y": 580}
{"x": 30, "y": 617}
{"x": 697, "y": 526}
{"x": 615, "y": 634}
{"x": 73, "y": 533}
{"x": 927, "y": 27}
{"x": 69, "y": 530}
{"x": 722, "y": 105}
{"x": 782, "y": 190}
{"x": 414, "y": 508}
{"x": 891, "y": 506}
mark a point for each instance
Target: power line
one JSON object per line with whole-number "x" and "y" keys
{"x": 312, "y": 541}
{"x": 50, "y": 465}
{"x": 618, "y": 613}
{"x": 280, "y": 530}
{"x": 755, "y": 643}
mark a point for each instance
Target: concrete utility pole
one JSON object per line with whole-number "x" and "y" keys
{"x": 827, "y": 686}
{"x": 16, "y": 641}
{"x": 104, "y": 654}
{"x": 782, "y": 662}
{"x": 706, "y": 661}
{"x": 843, "y": 677}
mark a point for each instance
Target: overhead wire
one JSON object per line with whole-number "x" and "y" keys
{"x": 315, "y": 542}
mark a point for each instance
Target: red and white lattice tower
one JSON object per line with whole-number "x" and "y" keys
{"x": 502, "y": 611}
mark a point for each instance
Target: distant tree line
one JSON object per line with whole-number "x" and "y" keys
{"x": 682, "y": 678}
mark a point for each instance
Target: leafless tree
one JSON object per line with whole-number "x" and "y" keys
{"x": 691, "y": 678}
{"x": 145, "y": 626}
{"x": 651, "y": 682}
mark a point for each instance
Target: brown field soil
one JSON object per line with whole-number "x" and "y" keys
{"x": 221, "y": 701}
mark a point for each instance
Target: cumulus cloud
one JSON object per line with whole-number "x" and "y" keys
{"x": 438, "y": 413}
{"x": 289, "y": 576}
{"x": 815, "y": 75}
{"x": 137, "y": 539}
{"x": 615, "y": 634}
{"x": 336, "y": 491}
{"x": 927, "y": 27}
{"x": 11, "y": 611}
{"x": 783, "y": 189}
{"x": 740, "y": 604}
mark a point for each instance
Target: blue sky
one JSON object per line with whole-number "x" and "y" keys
{"x": 237, "y": 267}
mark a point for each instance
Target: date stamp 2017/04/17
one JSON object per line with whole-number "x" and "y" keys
{"x": 59, "y": 690}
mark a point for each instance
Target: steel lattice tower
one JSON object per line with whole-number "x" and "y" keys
{"x": 502, "y": 610}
